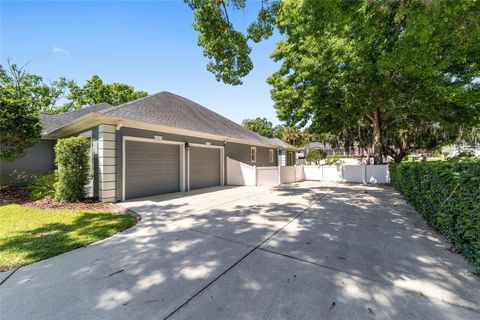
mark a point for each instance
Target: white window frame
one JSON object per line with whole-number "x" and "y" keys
{"x": 271, "y": 155}
{"x": 253, "y": 154}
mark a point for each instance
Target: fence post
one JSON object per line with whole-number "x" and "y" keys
{"x": 364, "y": 174}
{"x": 255, "y": 175}
{"x": 279, "y": 168}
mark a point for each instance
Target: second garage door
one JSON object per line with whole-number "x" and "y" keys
{"x": 151, "y": 168}
{"x": 204, "y": 167}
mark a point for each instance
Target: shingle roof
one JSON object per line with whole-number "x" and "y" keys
{"x": 166, "y": 109}
{"x": 280, "y": 143}
{"x": 171, "y": 110}
{"x": 52, "y": 122}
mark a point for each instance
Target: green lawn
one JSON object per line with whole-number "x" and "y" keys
{"x": 28, "y": 235}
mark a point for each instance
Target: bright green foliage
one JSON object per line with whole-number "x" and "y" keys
{"x": 19, "y": 124}
{"x": 71, "y": 157}
{"x": 385, "y": 63}
{"x": 403, "y": 72}
{"x": 44, "y": 186}
{"x": 315, "y": 155}
{"x": 260, "y": 126}
{"x": 46, "y": 97}
{"x": 294, "y": 136}
{"x": 28, "y": 235}
{"x": 447, "y": 194}
{"x": 225, "y": 47}
{"x": 95, "y": 91}
{"x": 34, "y": 91}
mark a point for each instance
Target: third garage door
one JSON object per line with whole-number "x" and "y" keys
{"x": 204, "y": 167}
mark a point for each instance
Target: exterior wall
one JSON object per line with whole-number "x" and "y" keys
{"x": 241, "y": 152}
{"x": 236, "y": 151}
{"x": 39, "y": 160}
{"x": 107, "y": 173}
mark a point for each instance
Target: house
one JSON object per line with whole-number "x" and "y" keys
{"x": 329, "y": 149}
{"x": 287, "y": 154}
{"x": 157, "y": 144}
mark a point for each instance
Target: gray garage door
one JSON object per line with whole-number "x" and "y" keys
{"x": 151, "y": 168}
{"x": 204, "y": 167}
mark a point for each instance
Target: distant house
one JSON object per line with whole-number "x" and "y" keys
{"x": 328, "y": 149}
{"x": 286, "y": 152}
{"x": 157, "y": 144}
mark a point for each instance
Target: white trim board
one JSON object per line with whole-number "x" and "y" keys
{"x": 138, "y": 139}
{"x": 93, "y": 119}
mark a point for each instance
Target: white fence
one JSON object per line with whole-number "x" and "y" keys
{"x": 239, "y": 173}
{"x": 267, "y": 176}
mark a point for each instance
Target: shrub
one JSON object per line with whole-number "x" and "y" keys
{"x": 315, "y": 155}
{"x": 43, "y": 186}
{"x": 447, "y": 194}
{"x": 71, "y": 157}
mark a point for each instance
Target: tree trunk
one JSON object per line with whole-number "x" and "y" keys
{"x": 377, "y": 137}
{"x": 399, "y": 156}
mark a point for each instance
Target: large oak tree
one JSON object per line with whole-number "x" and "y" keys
{"x": 346, "y": 63}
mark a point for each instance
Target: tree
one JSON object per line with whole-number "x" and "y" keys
{"x": 19, "y": 124}
{"x": 315, "y": 155}
{"x": 95, "y": 91}
{"x": 278, "y": 131}
{"x": 346, "y": 63}
{"x": 33, "y": 90}
{"x": 259, "y": 125}
{"x": 293, "y": 136}
{"x": 47, "y": 97}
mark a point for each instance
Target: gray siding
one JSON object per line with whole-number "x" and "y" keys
{"x": 39, "y": 160}
{"x": 237, "y": 151}
{"x": 241, "y": 152}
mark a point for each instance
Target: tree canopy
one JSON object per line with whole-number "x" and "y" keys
{"x": 65, "y": 95}
{"x": 351, "y": 68}
{"x": 263, "y": 127}
{"x": 23, "y": 96}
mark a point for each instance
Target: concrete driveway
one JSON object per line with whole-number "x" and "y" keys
{"x": 302, "y": 251}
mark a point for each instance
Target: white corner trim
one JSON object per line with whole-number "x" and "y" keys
{"x": 149, "y": 140}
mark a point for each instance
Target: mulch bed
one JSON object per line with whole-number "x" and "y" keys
{"x": 21, "y": 195}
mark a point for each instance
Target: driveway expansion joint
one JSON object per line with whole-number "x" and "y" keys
{"x": 243, "y": 257}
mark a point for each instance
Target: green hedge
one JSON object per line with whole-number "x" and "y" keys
{"x": 71, "y": 156}
{"x": 447, "y": 194}
{"x": 44, "y": 186}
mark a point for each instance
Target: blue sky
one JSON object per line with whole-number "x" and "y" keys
{"x": 150, "y": 45}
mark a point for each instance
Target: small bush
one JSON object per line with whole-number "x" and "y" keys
{"x": 315, "y": 155}
{"x": 71, "y": 157}
{"x": 447, "y": 194}
{"x": 43, "y": 186}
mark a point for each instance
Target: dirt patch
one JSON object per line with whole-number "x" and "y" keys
{"x": 18, "y": 195}
{"x": 21, "y": 195}
{"x": 88, "y": 204}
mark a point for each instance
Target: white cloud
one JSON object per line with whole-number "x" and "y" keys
{"x": 58, "y": 50}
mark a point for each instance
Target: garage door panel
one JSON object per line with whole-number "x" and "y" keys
{"x": 204, "y": 167}
{"x": 151, "y": 168}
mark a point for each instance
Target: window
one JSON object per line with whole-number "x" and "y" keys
{"x": 253, "y": 154}
{"x": 271, "y": 155}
